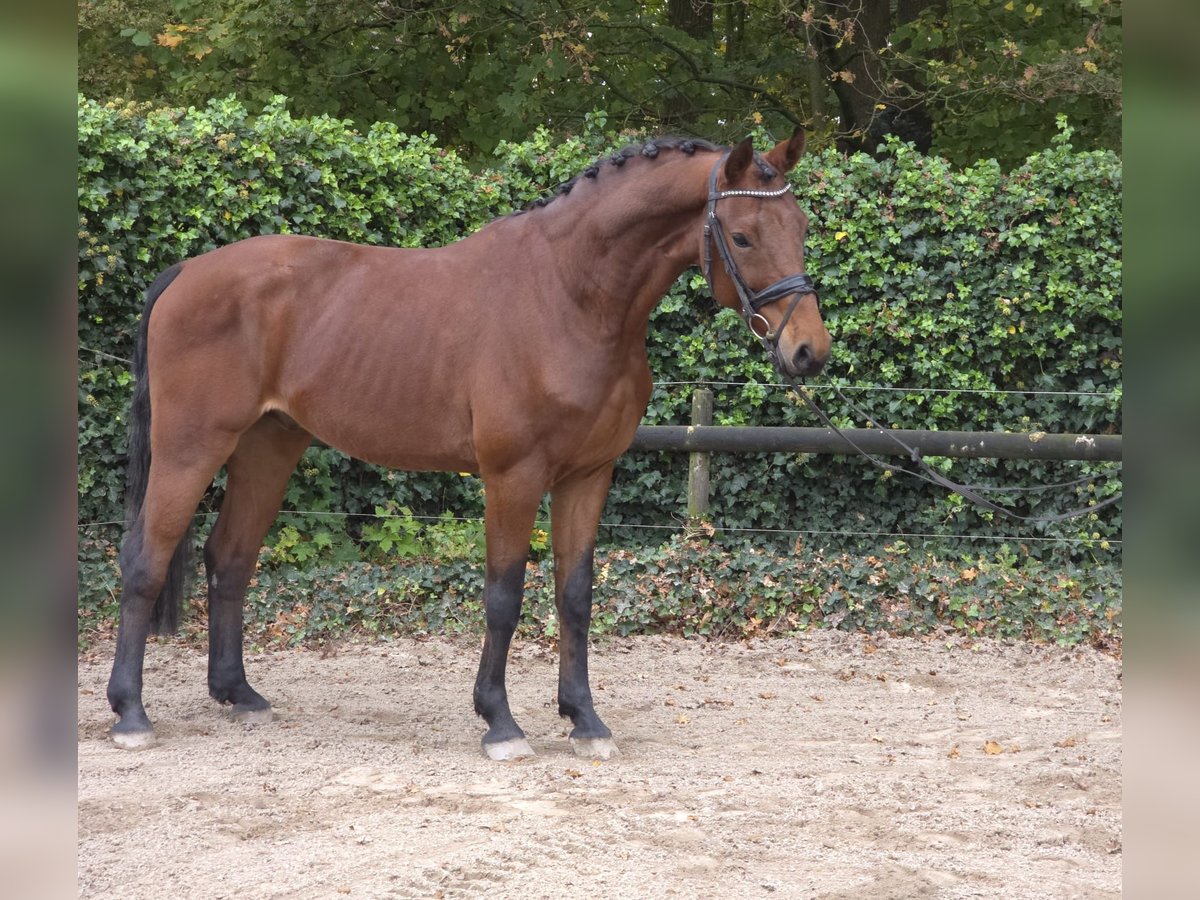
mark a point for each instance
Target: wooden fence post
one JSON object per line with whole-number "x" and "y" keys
{"x": 702, "y": 413}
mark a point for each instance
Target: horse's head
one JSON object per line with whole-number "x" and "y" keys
{"x": 753, "y": 253}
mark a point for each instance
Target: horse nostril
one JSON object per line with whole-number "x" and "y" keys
{"x": 802, "y": 358}
{"x": 805, "y": 362}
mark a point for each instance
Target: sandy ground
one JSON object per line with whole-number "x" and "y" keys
{"x": 829, "y": 765}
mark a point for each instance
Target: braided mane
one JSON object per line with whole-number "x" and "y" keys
{"x": 650, "y": 149}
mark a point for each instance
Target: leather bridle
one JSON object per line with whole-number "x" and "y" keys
{"x": 798, "y": 286}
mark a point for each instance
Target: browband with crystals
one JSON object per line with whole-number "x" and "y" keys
{"x": 717, "y": 195}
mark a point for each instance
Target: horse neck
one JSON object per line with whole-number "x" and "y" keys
{"x": 623, "y": 239}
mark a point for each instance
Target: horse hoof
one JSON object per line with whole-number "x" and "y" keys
{"x": 595, "y": 748}
{"x": 133, "y": 740}
{"x": 515, "y": 748}
{"x": 253, "y": 716}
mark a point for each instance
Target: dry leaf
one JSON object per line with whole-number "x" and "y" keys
{"x": 1065, "y": 742}
{"x": 681, "y": 719}
{"x": 953, "y": 754}
{"x": 870, "y": 648}
{"x": 991, "y": 748}
{"x": 767, "y": 695}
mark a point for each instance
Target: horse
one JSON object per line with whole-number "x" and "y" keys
{"x": 517, "y": 353}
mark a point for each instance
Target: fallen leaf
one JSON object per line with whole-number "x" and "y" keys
{"x": 573, "y": 773}
{"x": 953, "y": 754}
{"x": 870, "y": 648}
{"x": 1065, "y": 742}
{"x": 767, "y": 695}
{"x": 991, "y": 748}
{"x": 681, "y": 719}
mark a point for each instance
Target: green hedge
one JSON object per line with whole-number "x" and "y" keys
{"x": 963, "y": 281}
{"x": 693, "y": 586}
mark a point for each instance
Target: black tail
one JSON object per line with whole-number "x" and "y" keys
{"x": 164, "y": 618}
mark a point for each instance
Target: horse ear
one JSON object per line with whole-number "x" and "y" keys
{"x": 783, "y": 155}
{"x": 739, "y": 158}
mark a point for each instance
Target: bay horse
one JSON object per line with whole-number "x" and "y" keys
{"x": 517, "y": 353}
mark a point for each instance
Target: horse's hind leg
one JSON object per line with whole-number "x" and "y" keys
{"x": 173, "y": 491}
{"x": 576, "y": 507}
{"x": 258, "y": 473}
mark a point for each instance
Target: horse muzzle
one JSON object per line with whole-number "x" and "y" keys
{"x": 803, "y": 360}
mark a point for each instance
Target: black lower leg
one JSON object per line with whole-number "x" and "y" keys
{"x": 138, "y": 594}
{"x": 502, "y": 603}
{"x": 226, "y": 672}
{"x": 575, "y": 616}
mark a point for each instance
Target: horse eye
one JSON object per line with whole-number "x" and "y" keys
{"x": 740, "y": 239}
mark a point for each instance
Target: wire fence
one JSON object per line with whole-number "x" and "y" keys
{"x": 681, "y": 526}
{"x": 778, "y": 532}
{"x": 880, "y": 389}
{"x": 862, "y": 388}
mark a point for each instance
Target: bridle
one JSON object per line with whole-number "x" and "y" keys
{"x": 752, "y": 302}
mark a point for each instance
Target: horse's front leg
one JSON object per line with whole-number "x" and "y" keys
{"x": 512, "y": 503}
{"x": 575, "y": 513}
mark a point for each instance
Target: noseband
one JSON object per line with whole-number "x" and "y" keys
{"x": 752, "y": 301}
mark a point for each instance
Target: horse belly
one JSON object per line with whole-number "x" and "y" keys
{"x": 411, "y": 436}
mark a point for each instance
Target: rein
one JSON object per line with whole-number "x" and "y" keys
{"x": 971, "y": 492}
{"x": 801, "y": 285}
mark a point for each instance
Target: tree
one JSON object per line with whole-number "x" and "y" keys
{"x": 968, "y": 79}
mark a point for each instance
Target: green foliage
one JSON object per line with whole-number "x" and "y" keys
{"x": 721, "y": 589}
{"x": 966, "y": 281}
{"x": 991, "y": 74}
{"x": 997, "y": 73}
